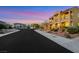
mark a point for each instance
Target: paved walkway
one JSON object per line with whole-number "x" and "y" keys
{"x": 9, "y": 32}
{"x": 29, "y": 41}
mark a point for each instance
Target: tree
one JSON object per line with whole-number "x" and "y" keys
{"x": 2, "y": 26}
{"x": 36, "y": 26}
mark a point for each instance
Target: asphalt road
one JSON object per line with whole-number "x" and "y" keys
{"x": 29, "y": 41}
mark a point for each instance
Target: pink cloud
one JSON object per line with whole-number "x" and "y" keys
{"x": 43, "y": 15}
{"x": 40, "y": 14}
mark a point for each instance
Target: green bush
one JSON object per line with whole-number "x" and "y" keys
{"x": 2, "y": 26}
{"x": 73, "y": 30}
{"x": 10, "y": 27}
{"x": 36, "y": 26}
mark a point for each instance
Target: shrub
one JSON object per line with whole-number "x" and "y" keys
{"x": 73, "y": 30}
{"x": 2, "y": 26}
{"x": 55, "y": 30}
{"x": 63, "y": 29}
{"x": 10, "y": 27}
{"x": 51, "y": 29}
{"x": 67, "y": 35}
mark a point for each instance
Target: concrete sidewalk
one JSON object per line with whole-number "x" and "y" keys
{"x": 9, "y": 32}
{"x": 71, "y": 44}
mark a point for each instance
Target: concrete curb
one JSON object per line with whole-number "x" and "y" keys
{"x": 9, "y": 33}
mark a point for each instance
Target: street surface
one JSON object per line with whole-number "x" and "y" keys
{"x": 29, "y": 41}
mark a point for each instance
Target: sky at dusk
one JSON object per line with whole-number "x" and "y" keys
{"x": 28, "y": 14}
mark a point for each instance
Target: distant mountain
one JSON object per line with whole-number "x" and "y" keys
{"x": 1, "y": 22}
